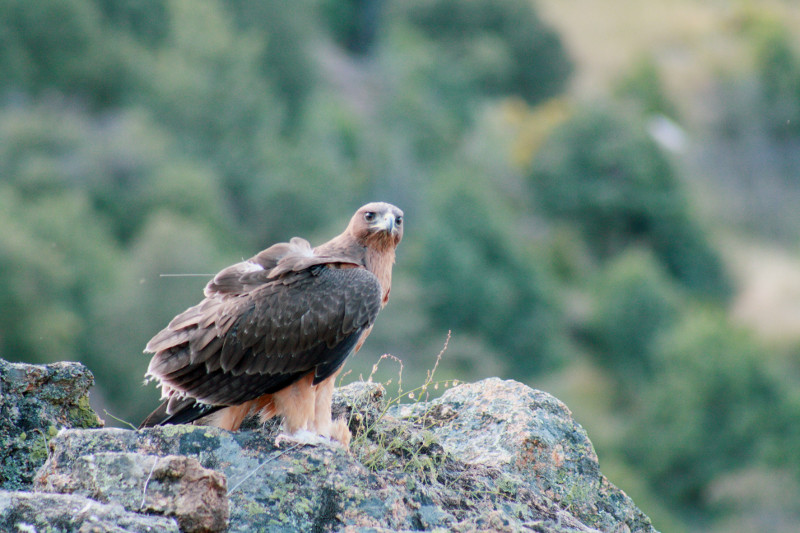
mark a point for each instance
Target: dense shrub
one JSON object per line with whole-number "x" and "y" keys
{"x": 478, "y": 280}
{"x": 634, "y": 302}
{"x": 711, "y": 406}
{"x": 601, "y": 172}
{"x": 496, "y": 48}
{"x": 778, "y": 73}
{"x": 60, "y": 46}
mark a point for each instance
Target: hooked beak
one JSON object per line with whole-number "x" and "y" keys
{"x": 388, "y": 223}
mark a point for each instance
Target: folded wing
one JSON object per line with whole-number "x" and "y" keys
{"x": 264, "y": 324}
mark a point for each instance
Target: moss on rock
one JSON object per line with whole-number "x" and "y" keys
{"x": 35, "y": 402}
{"x": 493, "y": 455}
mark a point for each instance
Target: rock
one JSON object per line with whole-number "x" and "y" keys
{"x": 36, "y": 401}
{"x": 532, "y": 438}
{"x": 30, "y": 512}
{"x": 172, "y": 485}
{"x": 488, "y": 456}
{"x": 299, "y": 488}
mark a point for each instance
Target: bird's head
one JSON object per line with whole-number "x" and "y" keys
{"x": 378, "y": 225}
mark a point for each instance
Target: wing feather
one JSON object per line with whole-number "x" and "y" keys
{"x": 213, "y": 364}
{"x": 187, "y": 318}
{"x": 232, "y": 350}
{"x": 166, "y": 362}
{"x": 200, "y": 342}
{"x": 233, "y": 347}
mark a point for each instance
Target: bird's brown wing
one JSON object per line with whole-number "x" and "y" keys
{"x": 276, "y": 261}
{"x": 236, "y": 346}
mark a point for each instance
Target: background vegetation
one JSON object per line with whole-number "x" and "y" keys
{"x": 601, "y": 202}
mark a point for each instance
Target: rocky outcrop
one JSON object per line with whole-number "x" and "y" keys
{"x": 32, "y": 512}
{"x": 36, "y": 401}
{"x": 529, "y": 439}
{"x": 488, "y": 456}
{"x": 169, "y": 485}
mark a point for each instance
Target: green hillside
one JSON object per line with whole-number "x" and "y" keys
{"x": 599, "y": 196}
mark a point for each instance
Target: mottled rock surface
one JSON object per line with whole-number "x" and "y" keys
{"x": 488, "y": 456}
{"x": 171, "y": 485}
{"x": 36, "y": 401}
{"x": 532, "y": 438}
{"x": 27, "y": 512}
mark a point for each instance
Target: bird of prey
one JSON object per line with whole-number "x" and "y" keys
{"x": 273, "y": 332}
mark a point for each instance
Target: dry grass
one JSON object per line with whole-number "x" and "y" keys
{"x": 769, "y": 291}
{"x": 689, "y": 39}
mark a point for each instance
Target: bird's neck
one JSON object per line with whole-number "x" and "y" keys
{"x": 377, "y": 257}
{"x": 380, "y": 262}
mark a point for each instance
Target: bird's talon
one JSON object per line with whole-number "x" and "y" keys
{"x": 302, "y": 438}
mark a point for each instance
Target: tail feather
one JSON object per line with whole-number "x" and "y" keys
{"x": 186, "y": 412}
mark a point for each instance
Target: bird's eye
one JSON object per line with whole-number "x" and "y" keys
{"x": 369, "y": 216}
{"x": 398, "y": 221}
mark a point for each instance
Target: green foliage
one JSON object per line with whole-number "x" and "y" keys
{"x": 778, "y": 71}
{"x": 602, "y": 173}
{"x": 204, "y": 85}
{"x": 146, "y": 19}
{"x": 354, "y": 24}
{"x": 635, "y": 301}
{"x": 710, "y": 408}
{"x": 78, "y": 194}
{"x": 492, "y": 47}
{"x": 478, "y": 281}
{"x": 54, "y": 258}
{"x": 62, "y": 45}
{"x": 122, "y": 163}
{"x": 643, "y": 86}
{"x": 286, "y": 60}
{"x": 687, "y": 254}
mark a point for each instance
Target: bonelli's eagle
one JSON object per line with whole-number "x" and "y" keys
{"x": 273, "y": 332}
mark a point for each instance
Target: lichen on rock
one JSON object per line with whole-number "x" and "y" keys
{"x": 35, "y": 511}
{"x": 532, "y": 440}
{"x": 170, "y": 485}
{"x": 489, "y": 456}
{"x": 36, "y": 401}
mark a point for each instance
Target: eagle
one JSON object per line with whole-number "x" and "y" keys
{"x": 272, "y": 332}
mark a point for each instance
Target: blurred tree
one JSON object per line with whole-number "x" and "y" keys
{"x": 711, "y": 407}
{"x": 60, "y": 46}
{"x": 54, "y": 259}
{"x": 601, "y": 172}
{"x": 778, "y": 71}
{"x": 286, "y": 58}
{"x": 643, "y": 86}
{"x": 147, "y": 20}
{"x": 304, "y": 191}
{"x": 354, "y": 24}
{"x": 205, "y": 86}
{"x": 414, "y": 114}
{"x": 123, "y": 163}
{"x": 478, "y": 280}
{"x": 489, "y": 48}
{"x": 191, "y": 191}
{"x": 635, "y": 302}
{"x": 80, "y": 190}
